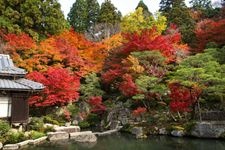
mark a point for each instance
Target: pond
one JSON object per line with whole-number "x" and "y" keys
{"x": 127, "y": 142}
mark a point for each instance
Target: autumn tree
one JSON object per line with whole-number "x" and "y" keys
{"x": 146, "y": 12}
{"x": 33, "y": 17}
{"x": 205, "y": 71}
{"x": 61, "y": 87}
{"x": 136, "y": 22}
{"x": 209, "y": 31}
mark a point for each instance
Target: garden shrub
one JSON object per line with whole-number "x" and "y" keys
{"x": 15, "y": 137}
{"x": 4, "y": 127}
{"x": 84, "y": 124}
{"x": 35, "y": 135}
{"x": 49, "y": 119}
{"x": 36, "y": 124}
{"x": 93, "y": 119}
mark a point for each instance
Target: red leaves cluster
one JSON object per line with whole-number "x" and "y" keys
{"x": 60, "y": 87}
{"x": 139, "y": 111}
{"x": 19, "y": 42}
{"x": 97, "y": 105}
{"x": 127, "y": 87}
{"x": 182, "y": 98}
{"x": 150, "y": 40}
{"x": 210, "y": 31}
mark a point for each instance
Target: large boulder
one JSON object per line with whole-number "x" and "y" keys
{"x": 209, "y": 129}
{"x": 53, "y": 136}
{"x": 69, "y": 129}
{"x": 83, "y": 137}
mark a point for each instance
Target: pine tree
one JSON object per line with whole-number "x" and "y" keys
{"x": 78, "y": 16}
{"x": 109, "y": 13}
{"x": 165, "y": 5}
{"x": 146, "y": 12}
{"x": 35, "y": 17}
{"x": 177, "y": 13}
{"x": 201, "y": 4}
{"x": 93, "y": 9}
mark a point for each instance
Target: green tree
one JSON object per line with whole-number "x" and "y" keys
{"x": 177, "y": 13}
{"x": 205, "y": 70}
{"x": 109, "y": 13}
{"x": 146, "y": 12}
{"x": 78, "y": 16}
{"x": 93, "y": 9}
{"x": 202, "y": 4}
{"x": 165, "y": 6}
{"x": 35, "y": 17}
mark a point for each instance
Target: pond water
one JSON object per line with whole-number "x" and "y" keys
{"x": 127, "y": 142}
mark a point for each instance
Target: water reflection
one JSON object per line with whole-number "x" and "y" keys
{"x": 127, "y": 142}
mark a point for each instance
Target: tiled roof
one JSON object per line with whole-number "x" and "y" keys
{"x": 20, "y": 85}
{"x": 7, "y": 68}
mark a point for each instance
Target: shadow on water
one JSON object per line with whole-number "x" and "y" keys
{"x": 128, "y": 142}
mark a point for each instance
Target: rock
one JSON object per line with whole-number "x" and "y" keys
{"x": 67, "y": 124}
{"x": 124, "y": 120}
{"x": 24, "y": 143}
{"x": 209, "y": 129}
{"x": 177, "y": 133}
{"x": 75, "y": 122}
{"x": 163, "y": 131}
{"x": 70, "y": 129}
{"x": 38, "y": 141}
{"x": 53, "y": 136}
{"x": 108, "y": 132}
{"x": 46, "y": 125}
{"x": 1, "y": 145}
{"x": 86, "y": 136}
{"x": 20, "y": 128}
{"x": 11, "y": 147}
{"x": 138, "y": 131}
{"x": 15, "y": 125}
{"x": 114, "y": 125}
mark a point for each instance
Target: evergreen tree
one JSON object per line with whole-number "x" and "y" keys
{"x": 35, "y": 17}
{"x": 78, "y": 16}
{"x": 201, "y": 4}
{"x": 177, "y": 13}
{"x": 165, "y": 6}
{"x": 109, "y": 13}
{"x": 93, "y": 9}
{"x": 145, "y": 8}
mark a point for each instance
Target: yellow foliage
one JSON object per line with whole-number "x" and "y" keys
{"x": 136, "y": 22}
{"x": 133, "y": 65}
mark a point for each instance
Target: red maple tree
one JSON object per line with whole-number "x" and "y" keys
{"x": 61, "y": 87}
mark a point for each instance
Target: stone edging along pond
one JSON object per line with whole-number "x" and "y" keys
{"x": 206, "y": 129}
{"x": 62, "y": 133}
